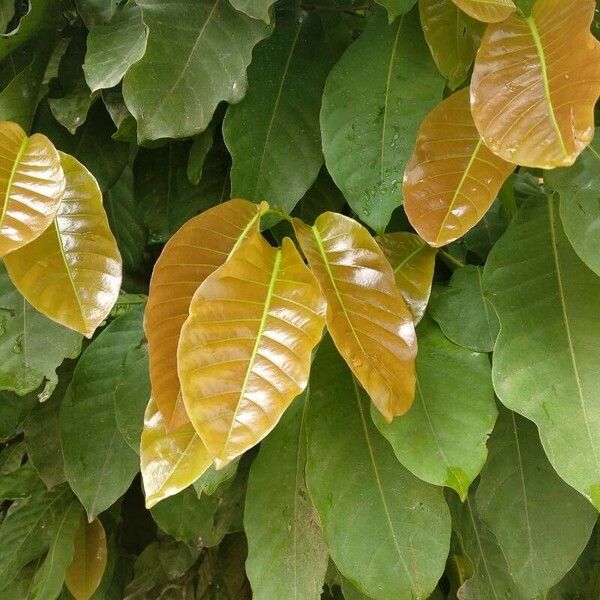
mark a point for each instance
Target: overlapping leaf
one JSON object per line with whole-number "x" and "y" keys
{"x": 488, "y": 11}
{"x": 452, "y": 178}
{"x": 535, "y": 83}
{"x": 412, "y": 261}
{"x": 366, "y": 315}
{"x": 31, "y": 186}
{"x": 72, "y": 272}
{"x": 170, "y": 460}
{"x": 244, "y": 352}
{"x": 202, "y": 245}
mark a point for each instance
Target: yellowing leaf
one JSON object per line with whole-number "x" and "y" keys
{"x": 452, "y": 178}
{"x": 488, "y": 11}
{"x": 244, "y": 352}
{"x": 72, "y": 272}
{"x": 202, "y": 245}
{"x": 89, "y": 561}
{"x": 535, "y": 83}
{"x": 366, "y": 315}
{"x": 412, "y": 261}
{"x": 170, "y": 460}
{"x": 31, "y": 184}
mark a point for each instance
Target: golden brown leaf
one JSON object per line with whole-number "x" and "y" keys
{"x": 31, "y": 184}
{"x": 189, "y": 257}
{"x": 170, "y": 460}
{"x": 72, "y": 272}
{"x": 366, "y": 314}
{"x": 452, "y": 178}
{"x": 488, "y": 11}
{"x": 245, "y": 350}
{"x": 89, "y": 560}
{"x": 412, "y": 261}
{"x": 535, "y": 83}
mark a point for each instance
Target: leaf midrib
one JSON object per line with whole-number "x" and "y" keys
{"x": 11, "y": 177}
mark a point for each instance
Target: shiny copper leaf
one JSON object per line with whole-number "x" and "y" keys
{"x": 72, "y": 272}
{"x": 412, "y": 261}
{"x": 535, "y": 83}
{"x": 244, "y": 352}
{"x": 488, "y": 11}
{"x": 452, "y": 178}
{"x": 189, "y": 257}
{"x": 366, "y": 314}
{"x": 89, "y": 560}
{"x": 31, "y": 185}
{"x": 170, "y": 460}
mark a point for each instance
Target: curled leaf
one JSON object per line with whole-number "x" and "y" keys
{"x": 488, "y": 11}
{"x": 366, "y": 315}
{"x": 244, "y": 352}
{"x": 170, "y": 460}
{"x": 72, "y": 272}
{"x": 202, "y": 245}
{"x": 452, "y": 178}
{"x": 535, "y": 83}
{"x": 31, "y": 184}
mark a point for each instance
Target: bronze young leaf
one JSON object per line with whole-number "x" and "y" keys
{"x": 366, "y": 314}
{"x": 452, "y": 178}
{"x": 488, "y": 11}
{"x": 189, "y": 257}
{"x": 535, "y": 83}
{"x": 244, "y": 352}
{"x": 31, "y": 183}
{"x": 72, "y": 272}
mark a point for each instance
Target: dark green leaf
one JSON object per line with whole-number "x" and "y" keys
{"x": 396, "y": 8}
{"x": 199, "y": 150}
{"x": 322, "y": 196}
{"x": 485, "y": 234}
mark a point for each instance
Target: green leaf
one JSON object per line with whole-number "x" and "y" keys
{"x": 189, "y": 67}
{"x": 257, "y": 9}
{"x": 20, "y": 483}
{"x": 96, "y": 11}
{"x": 199, "y": 150}
{"x": 396, "y": 8}
{"x": 287, "y": 557}
{"x": 579, "y": 189}
{"x": 31, "y": 346}
{"x": 114, "y": 46}
{"x": 48, "y": 580}
{"x": 488, "y": 230}
{"x": 544, "y": 367}
{"x": 99, "y": 464}
{"x": 489, "y": 578}
{"x": 280, "y": 112}
{"x": 374, "y": 101}
{"x": 371, "y": 508}
{"x": 442, "y": 438}
{"x": 210, "y": 481}
{"x": 11, "y": 456}
{"x": 541, "y": 523}
{"x": 322, "y": 196}
{"x": 7, "y": 12}
{"x": 13, "y": 410}
{"x": 463, "y": 314}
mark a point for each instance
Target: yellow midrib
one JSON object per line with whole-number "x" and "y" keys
{"x": 11, "y": 178}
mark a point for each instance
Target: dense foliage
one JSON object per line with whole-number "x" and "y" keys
{"x": 373, "y": 373}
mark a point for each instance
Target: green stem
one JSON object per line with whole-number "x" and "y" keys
{"x": 446, "y": 256}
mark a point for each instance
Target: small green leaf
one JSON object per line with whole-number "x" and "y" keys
{"x": 486, "y": 232}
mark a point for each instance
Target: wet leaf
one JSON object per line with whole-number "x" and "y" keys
{"x": 244, "y": 352}
{"x": 202, "y": 245}
{"x": 488, "y": 11}
{"x": 412, "y": 261}
{"x": 72, "y": 272}
{"x": 535, "y": 83}
{"x": 452, "y": 178}
{"x": 366, "y": 315}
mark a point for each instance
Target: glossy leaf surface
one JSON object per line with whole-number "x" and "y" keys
{"x": 72, "y": 272}
{"x": 31, "y": 186}
{"x": 89, "y": 560}
{"x": 541, "y": 523}
{"x": 442, "y": 439}
{"x": 286, "y": 80}
{"x": 257, "y": 9}
{"x": 366, "y": 315}
{"x": 188, "y": 67}
{"x": 546, "y": 300}
{"x": 463, "y": 313}
{"x": 371, "y": 508}
{"x": 412, "y": 261}
{"x": 191, "y": 255}
{"x": 287, "y": 557}
{"x": 244, "y": 352}
{"x": 170, "y": 460}
{"x": 374, "y": 101}
{"x": 452, "y": 36}
{"x": 452, "y": 178}
{"x": 535, "y": 83}
{"x": 488, "y": 11}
